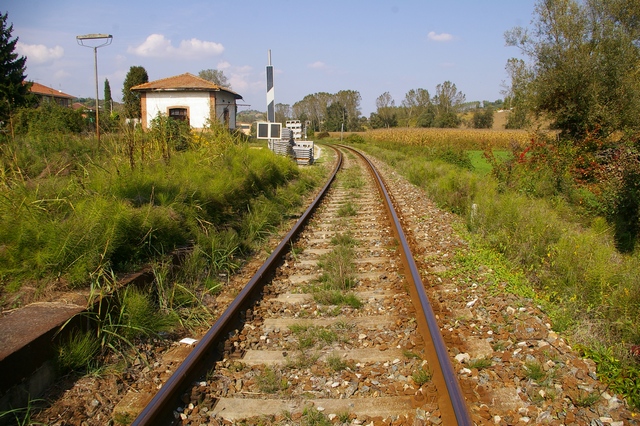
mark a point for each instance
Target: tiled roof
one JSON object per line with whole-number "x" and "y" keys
{"x": 48, "y": 91}
{"x": 78, "y": 105}
{"x": 182, "y": 82}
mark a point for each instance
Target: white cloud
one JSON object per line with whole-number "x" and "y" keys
{"x": 439, "y": 37}
{"x": 39, "y": 53}
{"x": 199, "y": 47}
{"x": 223, "y": 65}
{"x": 157, "y": 46}
{"x": 244, "y": 69}
{"x": 239, "y": 77}
{"x": 318, "y": 65}
{"x": 60, "y": 74}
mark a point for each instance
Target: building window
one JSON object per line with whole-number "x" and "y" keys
{"x": 179, "y": 114}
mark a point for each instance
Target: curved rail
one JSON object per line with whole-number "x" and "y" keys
{"x": 454, "y": 409}
{"x": 161, "y": 406}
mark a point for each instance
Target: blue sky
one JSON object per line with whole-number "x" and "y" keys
{"x": 372, "y": 46}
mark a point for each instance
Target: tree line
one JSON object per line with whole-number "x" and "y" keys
{"x": 322, "y": 111}
{"x": 341, "y": 111}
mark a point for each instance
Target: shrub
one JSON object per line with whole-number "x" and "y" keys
{"x": 49, "y": 118}
{"x": 354, "y": 138}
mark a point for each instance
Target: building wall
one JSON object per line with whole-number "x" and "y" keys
{"x": 197, "y": 103}
{"x": 63, "y": 102}
{"x": 223, "y": 100}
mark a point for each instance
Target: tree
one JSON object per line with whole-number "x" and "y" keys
{"x": 386, "y": 111}
{"x": 517, "y": 95}
{"x": 215, "y": 76}
{"x": 336, "y": 117}
{"x": 350, "y": 101}
{"x": 447, "y": 102}
{"x": 283, "y": 113}
{"x": 136, "y": 75}
{"x": 108, "y": 101}
{"x": 585, "y": 58}
{"x": 427, "y": 118}
{"x": 313, "y": 108}
{"x": 416, "y": 103}
{"x": 482, "y": 118}
{"x": 14, "y": 90}
{"x": 582, "y": 76}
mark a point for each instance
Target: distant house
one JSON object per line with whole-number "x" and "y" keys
{"x": 190, "y": 98}
{"x": 44, "y": 93}
{"x": 244, "y": 128}
{"x": 85, "y": 110}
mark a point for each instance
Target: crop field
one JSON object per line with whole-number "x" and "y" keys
{"x": 467, "y": 139}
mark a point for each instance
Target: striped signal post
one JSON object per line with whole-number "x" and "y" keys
{"x": 271, "y": 108}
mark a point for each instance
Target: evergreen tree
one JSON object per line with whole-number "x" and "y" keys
{"x": 14, "y": 90}
{"x": 136, "y": 75}
{"x": 108, "y": 101}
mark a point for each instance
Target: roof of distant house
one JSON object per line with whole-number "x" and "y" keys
{"x": 40, "y": 89}
{"x": 183, "y": 82}
{"x": 78, "y": 105}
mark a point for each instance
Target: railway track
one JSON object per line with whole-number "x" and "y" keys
{"x": 335, "y": 324}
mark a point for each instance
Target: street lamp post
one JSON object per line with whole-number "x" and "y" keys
{"x": 107, "y": 38}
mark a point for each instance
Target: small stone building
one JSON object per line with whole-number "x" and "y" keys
{"x": 190, "y": 98}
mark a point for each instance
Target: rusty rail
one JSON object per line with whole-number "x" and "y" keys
{"x": 454, "y": 409}
{"x": 160, "y": 410}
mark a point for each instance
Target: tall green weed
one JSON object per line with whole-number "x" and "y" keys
{"x": 97, "y": 212}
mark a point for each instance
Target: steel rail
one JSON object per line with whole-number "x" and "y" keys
{"x": 159, "y": 411}
{"x": 454, "y": 408}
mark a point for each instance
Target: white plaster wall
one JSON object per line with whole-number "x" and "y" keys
{"x": 198, "y": 103}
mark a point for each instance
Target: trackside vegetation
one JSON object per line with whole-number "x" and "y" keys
{"x": 70, "y": 213}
